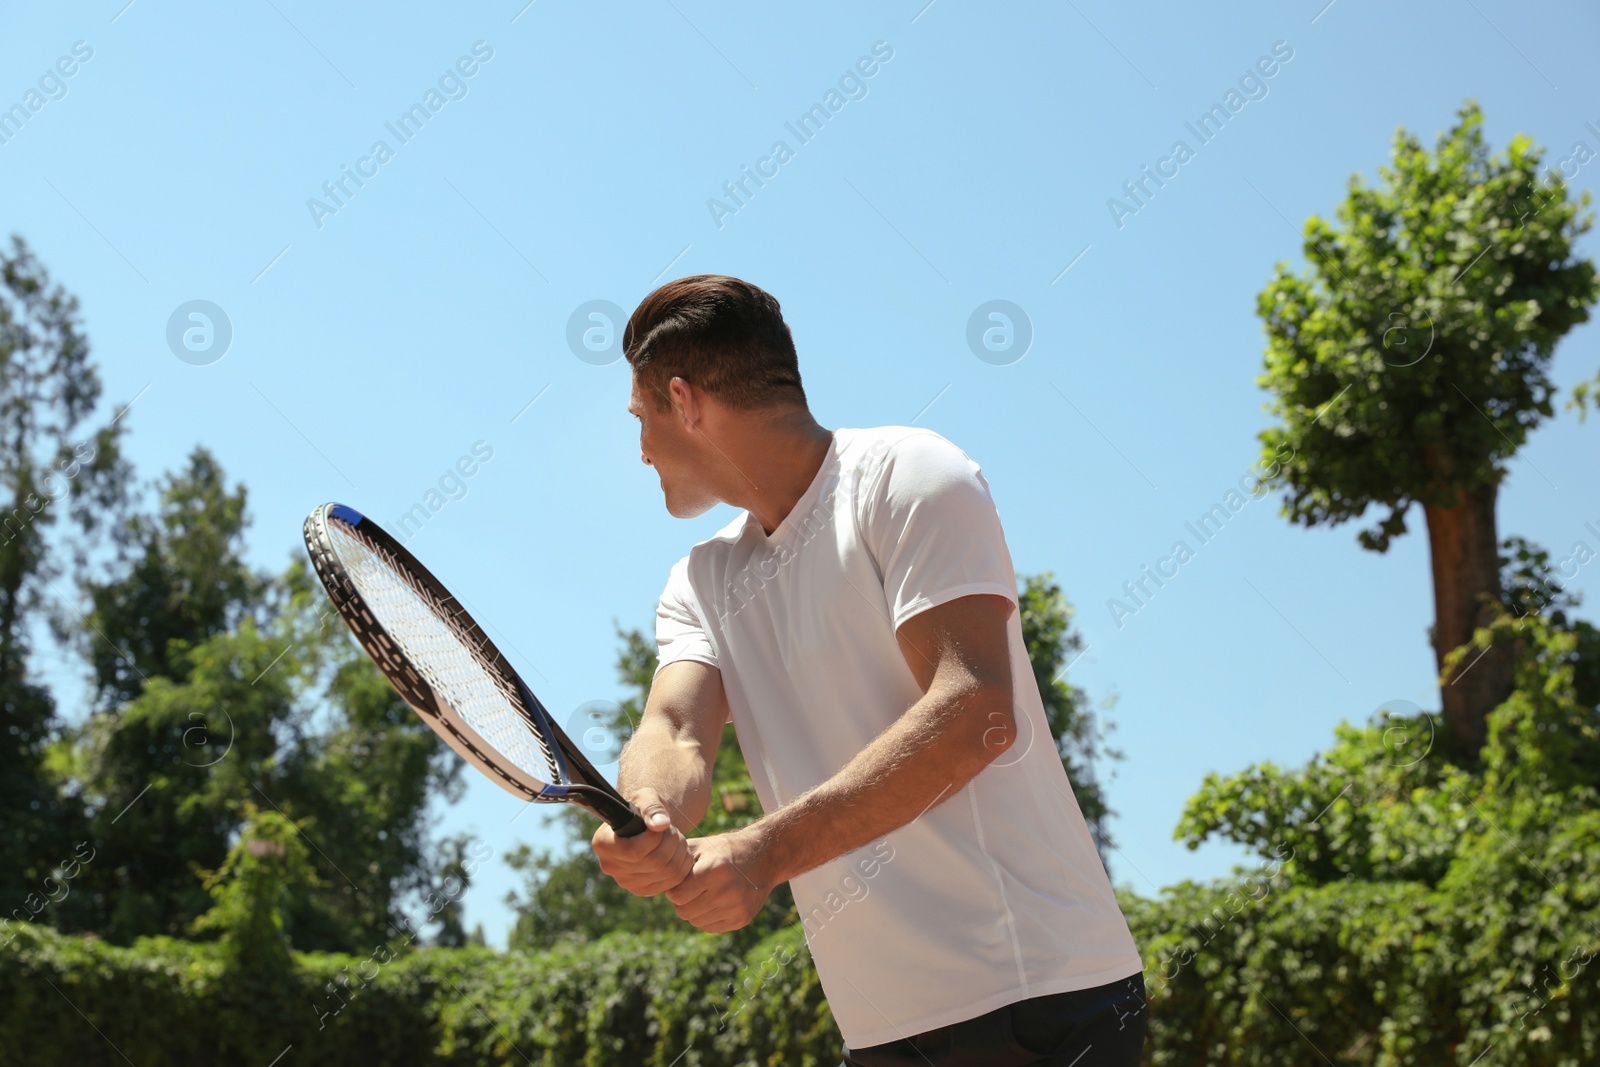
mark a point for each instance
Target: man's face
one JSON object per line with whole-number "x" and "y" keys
{"x": 676, "y": 453}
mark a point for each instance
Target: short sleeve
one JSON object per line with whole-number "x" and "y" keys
{"x": 931, "y": 524}
{"x": 680, "y": 635}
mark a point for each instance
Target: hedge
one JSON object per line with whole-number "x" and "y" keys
{"x": 669, "y": 999}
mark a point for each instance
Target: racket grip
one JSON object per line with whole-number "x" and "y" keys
{"x": 623, "y": 818}
{"x": 633, "y": 826}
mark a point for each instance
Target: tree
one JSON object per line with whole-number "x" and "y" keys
{"x": 229, "y": 689}
{"x": 1050, "y": 639}
{"x": 1410, "y": 364}
{"x": 1532, "y": 590}
{"x": 1405, "y": 908}
{"x": 183, "y": 579}
{"x": 178, "y": 641}
{"x": 53, "y": 472}
{"x": 251, "y": 890}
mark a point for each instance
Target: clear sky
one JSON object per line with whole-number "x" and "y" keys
{"x": 381, "y": 336}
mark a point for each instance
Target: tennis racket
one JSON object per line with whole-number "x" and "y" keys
{"x": 445, "y": 667}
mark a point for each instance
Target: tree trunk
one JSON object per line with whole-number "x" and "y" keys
{"x": 1465, "y": 556}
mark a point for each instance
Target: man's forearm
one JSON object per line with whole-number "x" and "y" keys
{"x": 675, "y": 767}
{"x": 928, "y": 755}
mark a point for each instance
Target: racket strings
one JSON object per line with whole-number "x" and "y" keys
{"x": 425, "y": 629}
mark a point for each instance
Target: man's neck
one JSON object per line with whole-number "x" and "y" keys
{"x": 778, "y": 465}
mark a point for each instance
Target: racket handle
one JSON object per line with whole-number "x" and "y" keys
{"x": 632, "y": 827}
{"x": 623, "y": 818}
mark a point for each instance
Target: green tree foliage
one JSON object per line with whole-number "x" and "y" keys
{"x": 1406, "y": 909}
{"x": 166, "y": 777}
{"x": 183, "y": 579}
{"x": 1411, "y": 362}
{"x": 453, "y": 879}
{"x": 252, "y": 890}
{"x": 1533, "y": 588}
{"x": 1053, "y": 644}
{"x": 1583, "y": 395}
{"x": 182, "y": 730}
{"x": 55, "y": 474}
{"x": 231, "y": 689}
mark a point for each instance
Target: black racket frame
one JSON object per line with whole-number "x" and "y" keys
{"x": 583, "y": 785}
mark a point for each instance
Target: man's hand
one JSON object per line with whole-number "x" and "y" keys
{"x": 648, "y": 863}
{"x": 727, "y": 885}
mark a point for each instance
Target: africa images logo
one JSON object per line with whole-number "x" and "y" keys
{"x": 199, "y": 332}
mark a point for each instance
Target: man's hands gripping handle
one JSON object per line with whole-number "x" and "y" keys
{"x": 650, "y": 860}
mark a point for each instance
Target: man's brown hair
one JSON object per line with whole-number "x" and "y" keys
{"x": 721, "y": 334}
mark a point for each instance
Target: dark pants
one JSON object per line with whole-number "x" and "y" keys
{"x": 1099, "y": 1027}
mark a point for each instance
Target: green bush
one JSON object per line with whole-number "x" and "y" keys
{"x": 1406, "y": 910}
{"x": 647, "y": 999}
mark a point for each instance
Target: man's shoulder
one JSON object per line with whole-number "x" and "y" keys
{"x": 886, "y": 437}
{"x": 877, "y": 448}
{"x": 907, "y": 456}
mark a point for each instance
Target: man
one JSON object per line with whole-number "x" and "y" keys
{"x": 857, "y": 623}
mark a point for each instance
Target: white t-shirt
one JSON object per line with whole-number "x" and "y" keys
{"x": 992, "y": 896}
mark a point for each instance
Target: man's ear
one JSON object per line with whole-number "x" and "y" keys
{"x": 684, "y": 402}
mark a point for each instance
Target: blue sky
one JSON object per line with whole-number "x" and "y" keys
{"x": 374, "y": 345}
